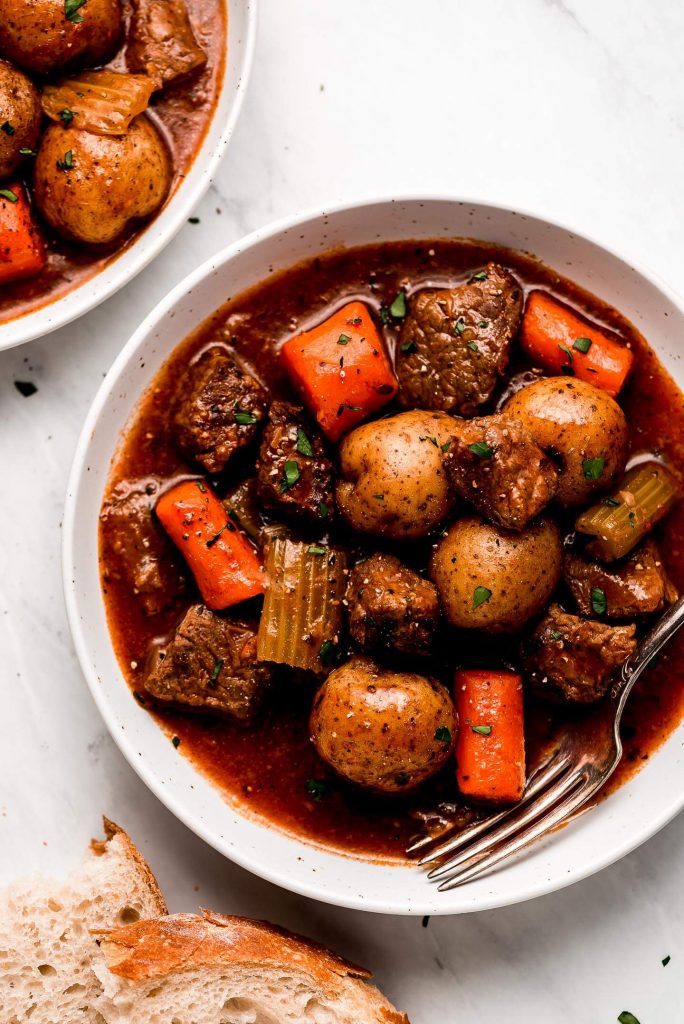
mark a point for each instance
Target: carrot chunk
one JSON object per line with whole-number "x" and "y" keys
{"x": 22, "y": 250}
{"x": 490, "y": 748}
{"x": 341, "y": 369}
{"x": 559, "y": 339}
{"x": 223, "y": 561}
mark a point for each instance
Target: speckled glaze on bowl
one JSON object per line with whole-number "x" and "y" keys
{"x": 242, "y": 26}
{"x": 607, "y": 832}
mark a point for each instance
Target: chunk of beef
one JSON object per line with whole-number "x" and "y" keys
{"x": 136, "y": 549}
{"x": 161, "y": 41}
{"x": 390, "y": 606}
{"x": 218, "y": 410}
{"x": 209, "y": 665}
{"x": 571, "y": 659}
{"x": 494, "y": 463}
{"x": 455, "y": 343}
{"x": 293, "y": 472}
{"x": 638, "y": 585}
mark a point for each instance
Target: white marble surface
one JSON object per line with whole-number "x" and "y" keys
{"x": 574, "y": 109}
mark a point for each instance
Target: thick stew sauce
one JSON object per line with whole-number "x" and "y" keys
{"x": 382, "y": 523}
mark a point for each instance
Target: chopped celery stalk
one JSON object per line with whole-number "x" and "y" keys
{"x": 302, "y": 617}
{"x": 617, "y": 523}
{"x": 241, "y": 506}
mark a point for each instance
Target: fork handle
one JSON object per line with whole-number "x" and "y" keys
{"x": 666, "y": 627}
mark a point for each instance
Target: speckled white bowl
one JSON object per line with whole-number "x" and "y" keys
{"x": 605, "y": 833}
{"x": 242, "y": 26}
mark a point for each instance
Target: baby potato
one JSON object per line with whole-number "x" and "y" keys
{"x": 91, "y": 187}
{"x": 489, "y": 578}
{"x": 392, "y": 481}
{"x": 580, "y": 425}
{"x": 20, "y": 117}
{"x": 385, "y": 731}
{"x": 39, "y": 35}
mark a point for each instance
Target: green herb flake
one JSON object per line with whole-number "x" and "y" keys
{"x": 379, "y": 497}
{"x": 25, "y": 151}
{"x": 245, "y": 418}
{"x": 71, "y": 8}
{"x": 480, "y": 596}
{"x": 355, "y": 320}
{"x": 481, "y": 730}
{"x": 323, "y": 510}
{"x": 327, "y": 652}
{"x": 482, "y": 324}
{"x": 304, "y": 446}
{"x": 66, "y": 115}
{"x": 480, "y": 276}
{"x": 201, "y": 487}
{"x": 7, "y": 128}
{"x": 139, "y": 697}
{"x": 460, "y": 325}
{"x": 216, "y": 671}
{"x": 67, "y": 163}
{"x": 555, "y": 635}
{"x": 564, "y": 348}
{"x": 176, "y": 741}
{"x": 343, "y": 339}
{"x": 598, "y": 600}
{"x": 481, "y": 449}
{"x": 316, "y": 549}
{"x": 398, "y": 307}
{"x": 582, "y": 344}
{"x": 316, "y": 789}
{"x": 473, "y": 346}
{"x": 443, "y": 734}
{"x": 613, "y": 502}
{"x": 627, "y": 1018}
{"x": 212, "y": 540}
{"x": 432, "y": 440}
{"x": 407, "y": 346}
{"x": 446, "y": 446}
{"x": 593, "y": 468}
{"x": 9, "y": 195}
{"x": 665, "y": 961}
{"x": 291, "y": 475}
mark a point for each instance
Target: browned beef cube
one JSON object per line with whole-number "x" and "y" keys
{"x": 571, "y": 659}
{"x": 161, "y": 41}
{"x": 390, "y": 606}
{"x": 219, "y": 409}
{"x": 210, "y": 665}
{"x": 494, "y": 463}
{"x": 638, "y": 585}
{"x": 293, "y": 472}
{"x": 455, "y": 343}
{"x": 136, "y": 550}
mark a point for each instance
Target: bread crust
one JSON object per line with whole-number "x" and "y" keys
{"x": 99, "y": 848}
{"x": 154, "y": 949}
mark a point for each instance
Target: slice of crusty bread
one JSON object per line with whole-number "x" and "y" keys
{"x": 187, "y": 969}
{"x": 46, "y": 945}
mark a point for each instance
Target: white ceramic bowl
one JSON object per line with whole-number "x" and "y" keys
{"x": 605, "y": 833}
{"x": 242, "y": 25}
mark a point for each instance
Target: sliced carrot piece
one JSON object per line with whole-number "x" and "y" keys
{"x": 560, "y": 339}
{"x": 490, "y": 748}
{"x": 341, "y": 369}
{"x": 22, "y": 250}
{"x": 222, "y": 559}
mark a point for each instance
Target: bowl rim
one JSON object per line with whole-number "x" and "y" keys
{"x": 85, "y": 297}
{"x": 148, "y": 774}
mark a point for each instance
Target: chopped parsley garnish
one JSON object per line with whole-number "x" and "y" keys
{"x": 26, "y": 388}
{"x": 67, "y": 163}
{"x": 25, "y": 151}
{"x": 201, "y": 487}
{"x": 480, "y": 595}
{"x": 432, "y": 440}
{"x": 216, "y": 671}
{"x": 323, "y": 510}
{"x": 480, "y": 276}
{"x": 316, "y": 788}
{"x": 555, "y": 635}
{"x": 481, "y": 449}
{"x": 665, "y": 961}
{"x": 327, "y": 652}
{"x": 139, "y": 697}
{"x": 356, "y": 320}
{"x": 446, "y": 446}
{"x": 593, "y": 468}
{"x": 176, "y": 741}
{"x": 481, "y": 730}
{"x": 610, "y": 501}
{"x": 379, "y": 497}
{"x": 291, "y": 475}
{"x": 627, "y": 1018}
{"x": 212, "y": 541}
{"x": 8, "y": 128}
{"x": 398, "y": 307}
{"x": 582, "y": 344}
{"x": 344, "y": 339}
{"x": 473, "y": 346}
{"x": 304, "y": 446}
{"x": 443, "y": 734}
{"x": 71, "y": 8}
{"x": 316, "y": 549}
{"x": 244, "y": 418}
{"x": 407, "y": 346}
{"x": 9, "y": 195}
{"x": 460, "y": 325}
{"x": 66, "y": 115}
{"x": 598, "y": 600}
{"x": 564, "y": 348}
{"x": 193, "y": 220}
{"x": 483, "y": 323}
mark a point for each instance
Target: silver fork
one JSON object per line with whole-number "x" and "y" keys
{"x": 581, "y": 760}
